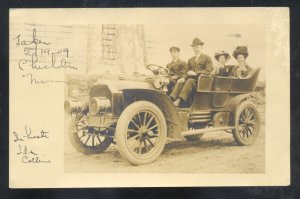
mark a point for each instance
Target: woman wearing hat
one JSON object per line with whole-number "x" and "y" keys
{"x": 242, "y": 69}
{"x": 220, "y": 68}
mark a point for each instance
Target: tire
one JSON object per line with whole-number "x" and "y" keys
{"x": 247, "y": 124}
{"x": 193, "y": 138}
{"x": 141, "y": 133}
{"x": 87, "y": 140}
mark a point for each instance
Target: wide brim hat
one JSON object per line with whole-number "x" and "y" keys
{"x": 222, "y": 52}
{"x": 197, "y": 42}
{"x": 174, "y": 48}
{"x": 241, "y": 50}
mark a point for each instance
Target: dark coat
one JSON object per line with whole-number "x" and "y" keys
{"x": 178, "y": 68}
{"x": 225, "y": 72}
{"x": 234, "y": 71}
{"x": 203, "y": 65}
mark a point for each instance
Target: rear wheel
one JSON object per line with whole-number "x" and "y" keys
{"x": 141, "y": 133}
{"x": 247, "y": 124}
{"x": 88, "y": 140}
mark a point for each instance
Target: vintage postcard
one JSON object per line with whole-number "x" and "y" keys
{"x": 149, "y": 97}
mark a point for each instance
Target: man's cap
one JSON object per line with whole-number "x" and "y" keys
{"x": 174, "y": 48}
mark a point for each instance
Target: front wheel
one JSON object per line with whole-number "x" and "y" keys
{"x": 88, "y": 140}
{"x": 247, "y": 123}
{"x": 141, "y": 133}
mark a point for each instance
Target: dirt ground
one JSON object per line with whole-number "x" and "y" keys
{"x": 216, "y": 152}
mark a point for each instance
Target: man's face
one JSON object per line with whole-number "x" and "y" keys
{"x": 174, "y": 54}
{"x": 197, "y": 49}
{"x": 240, "y": 58}
{"x": 222, "y": 59}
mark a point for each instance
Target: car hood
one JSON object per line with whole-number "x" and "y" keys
{"x": 119, "y": 85}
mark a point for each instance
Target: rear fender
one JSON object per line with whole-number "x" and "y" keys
{"x": 233, "y": 104}
{"x": 173, "y": 119}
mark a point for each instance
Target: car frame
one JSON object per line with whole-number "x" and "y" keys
{"x": 139, "y": 116}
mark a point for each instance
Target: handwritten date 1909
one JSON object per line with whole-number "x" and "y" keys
{"x": 40, "y": 57}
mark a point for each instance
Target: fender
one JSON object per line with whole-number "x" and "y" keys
{"x": 174, "y": 122}
{"x": 233, "y": 104}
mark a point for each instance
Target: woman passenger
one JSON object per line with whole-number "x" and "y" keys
{"x": 242, "y": 69}
{"x": 220, "y": 69}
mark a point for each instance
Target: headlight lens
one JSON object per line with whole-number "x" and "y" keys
{"x": 161, "y": 81}
{"x": 99, "y": 104}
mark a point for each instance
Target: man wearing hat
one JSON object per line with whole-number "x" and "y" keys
{"x": 177, "y": 72}
{"x": 220, "y": 69}
{"x": 242, "y": 69}
{"x": 197, "y": 65}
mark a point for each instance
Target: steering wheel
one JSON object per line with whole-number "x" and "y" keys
{"x": 157, "y": 69}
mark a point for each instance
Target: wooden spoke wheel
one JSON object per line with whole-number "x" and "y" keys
{"x": 141, "y": 133}
{"x": 247, "y": 124}
{"x": 88, "y": 140}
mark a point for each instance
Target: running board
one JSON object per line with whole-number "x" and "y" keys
{"x": 205, "y": 130}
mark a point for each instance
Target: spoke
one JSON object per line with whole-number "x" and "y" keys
{"x": 251, "y": 127}
{"x": 150, "y": 142}
{"x": 250, "y": 116}
{"x": 148, "y": 123}
{"x": 132, "y": 130}
{"x": 140, "y": 148}
{"x": 145, "y": 145}
{"x": 139, "y": 118}
{"x": 246, "y": 112}
{"x": 243, "y": 131}
{"x": 99, "y": 139}
{"x": 93, "y": 140}
{"x": 149, "y": 129}
{"x": 145, "y": 117}
{"x": 80, "y": 117}
{"x": 83, "y": 134}
{"x": 87, "y": 139}
{"x": 243, "y": 117}
{"x": 252, "y": 120}
{"x": 241, "y": 126}
{"x": 133, "y": 137}
{"x": 249, "y": 130}
{"x": 137, "y": 126}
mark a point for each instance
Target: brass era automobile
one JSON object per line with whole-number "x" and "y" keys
{"x": 139, "y": 116}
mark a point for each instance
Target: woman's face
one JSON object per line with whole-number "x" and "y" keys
{"x": 240, "y": 58}
{"x": 222, "y": 59}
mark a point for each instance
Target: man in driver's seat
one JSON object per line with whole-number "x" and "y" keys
{"x": 178, "y": 73}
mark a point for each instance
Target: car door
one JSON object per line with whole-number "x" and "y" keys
{"x": 221, "y": 91}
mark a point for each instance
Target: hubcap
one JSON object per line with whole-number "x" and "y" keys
{"x": 142, "y": 133}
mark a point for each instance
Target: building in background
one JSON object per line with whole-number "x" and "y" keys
{"x": 116, "y": 48}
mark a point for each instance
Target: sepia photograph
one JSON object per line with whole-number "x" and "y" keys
{"x": 173, "y": 98}
{"x": 140, "y": 97}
